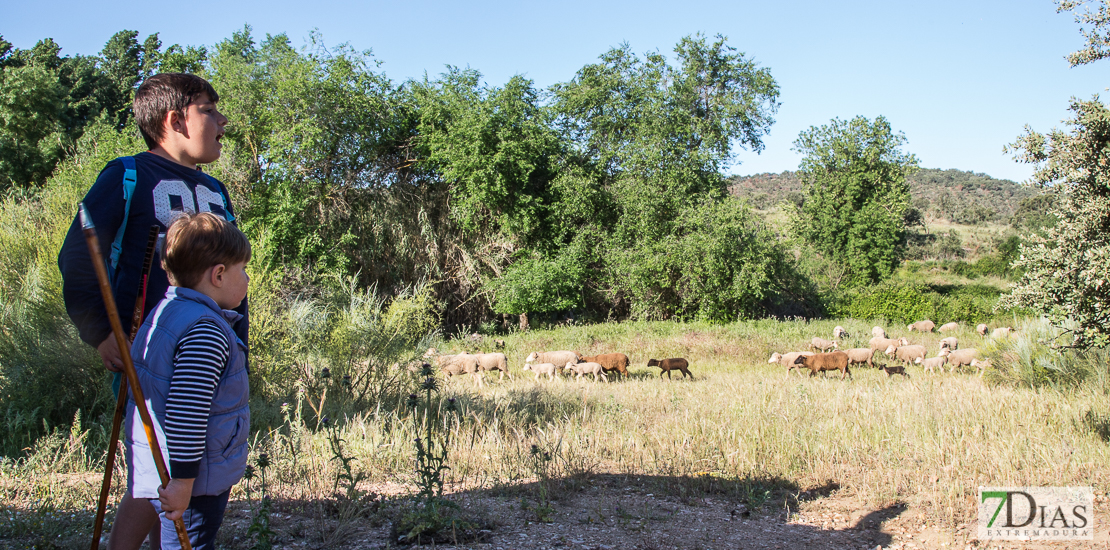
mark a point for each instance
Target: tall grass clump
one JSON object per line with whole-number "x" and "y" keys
{"x": 1030, "y": 358}
{"x": 47, "y": 373}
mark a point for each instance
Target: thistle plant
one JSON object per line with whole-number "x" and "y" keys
{"x": 260, "y": 522}
{"x": 540, "y": 461}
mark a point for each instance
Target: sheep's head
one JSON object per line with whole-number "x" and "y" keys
{"x": 532, "y": 357}
{"x": 917, "y": 361}
{"x": 909, "y": 327}
{"x": 800, "y": 360}
{"x": 653, "y": 363}
{"x": 944, "y": 352}
{"x": 527, "y": 366}
{"x": 836, "y": 345}
{"x": 775, "y": 357}
{"x": 903, "y": 341}
{"x": 890, "y": 350}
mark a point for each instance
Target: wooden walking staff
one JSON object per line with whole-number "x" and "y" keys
{"x": 128, "y": 366}
{"x": 121, "y": 398}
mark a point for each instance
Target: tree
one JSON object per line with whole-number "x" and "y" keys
{"x": 857, "y": 194}
{"x": 1067, "y": 270}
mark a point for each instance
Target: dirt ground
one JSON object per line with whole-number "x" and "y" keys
{"x": 607, "y": 513}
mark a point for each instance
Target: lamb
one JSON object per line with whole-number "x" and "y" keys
{"x": 1001, "y": 332}
{"x": 878, "y": 332}
{"x": 860, "y": 355}
{"x": 933, "y": 362}
{"x": 922, "y": 326}
{"x": 786, "y": 360}
{"x": 589, "y": 368}
{"x": 879, "y": 344}
{"x": 541, "y": 368}
{"x": 961, "y": 357}
{"x": 674, "y": 363}
{"x": 947, "y": 327}
{"x": 837, "y": 360}
{"x": 981, "y": 365}
{"x": 494, "y": 361}
{"x": 982, "y": 330}
{"x": 950, "y": 343}
{"x": 558, "y": 358}
{"x": 839, "y": 333}
{"x": 891, "y": 371}
{"x": 822, "y": 344}
{"x": 611, "y": 362}
{"x": 906, "y": 354}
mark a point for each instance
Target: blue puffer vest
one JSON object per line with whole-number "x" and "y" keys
{"x": 225, "y": 452}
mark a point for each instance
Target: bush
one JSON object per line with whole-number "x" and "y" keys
{"x": 909, "y": 302}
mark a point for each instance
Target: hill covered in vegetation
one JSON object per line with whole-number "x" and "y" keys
{"x": 955, "y": 195}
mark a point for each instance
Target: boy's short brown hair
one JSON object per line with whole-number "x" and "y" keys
{"x": 196, "y": 242}
{"x": 163, "y": 93}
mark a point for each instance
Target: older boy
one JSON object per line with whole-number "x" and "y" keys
{"x": 192, "y": 369}
{"x": 177, "y": 116}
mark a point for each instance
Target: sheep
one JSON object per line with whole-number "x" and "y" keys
{"x": 822, "y": 344}
{"x": 879, "y": 344}
{"x": 787, "y": 360}
{"x": 839, "y": 333}
{"x": 837, "y": 360}
{"x": 878, "y": 332}
{"x": 906, "y": 354}
{"x": 981, "y": 365}
{"x": 674, "y": 363}
{"x": 463, "y": 363}
{"x": 891, "y": 371}
{"x": 860, "y": 355}
{"x": 933, "y": 362}
{"x": 982, "y": 330}
{"x": 947, "y": 327}
{"x": 950, "y": 343}
{"x": 922, "y": 326}
{"x": 961, "y": 357}
{"x": 494, "y": 361}
{"x": 541, "y": 368}
{"x": 558, "y": 358}
{"x": 589, "y": 368}
{"x": 611, "y": 362}
{"x": 1001, "y": 332}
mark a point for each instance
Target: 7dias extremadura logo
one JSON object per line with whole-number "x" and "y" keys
{"x": 1036, "y": 513}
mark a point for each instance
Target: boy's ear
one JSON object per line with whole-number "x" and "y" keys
{"x": 174, "y": 122}
{"x": 217, "y": 275}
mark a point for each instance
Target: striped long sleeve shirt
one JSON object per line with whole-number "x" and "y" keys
{"x": 198, "y": 364}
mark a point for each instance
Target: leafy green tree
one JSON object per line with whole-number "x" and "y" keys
{"x": 1067, "y": 271}
{"x": 857, "y": 194}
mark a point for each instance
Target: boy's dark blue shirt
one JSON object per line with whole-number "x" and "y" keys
{"x": 163, "y": 188}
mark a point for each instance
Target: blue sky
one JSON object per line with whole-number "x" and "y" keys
{"x": 960, "y": 79}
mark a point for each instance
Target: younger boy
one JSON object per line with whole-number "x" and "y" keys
{"x": 177, "y": 116}
{"x": 192, "y": 369}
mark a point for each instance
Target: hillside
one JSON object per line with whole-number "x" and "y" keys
{"x": 953, "y": 195}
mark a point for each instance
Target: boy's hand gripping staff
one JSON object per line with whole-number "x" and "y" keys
{"x": 121, "y": 399}
{"x": 128, "y": 366}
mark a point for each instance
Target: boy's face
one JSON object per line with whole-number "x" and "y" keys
{"x": 200, "y": 133}
{"x": 234, "y": 288}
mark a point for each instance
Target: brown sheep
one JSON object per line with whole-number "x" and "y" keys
{"x": 891, "y": 371}
{"x": 675, "y": 363}
{"x": 822, "y": 344}
{"x": 610, "y": 362}
{"x": 860, "y": 356}
{"x": 837, "y": 360}
{"x": 922, "y": 326}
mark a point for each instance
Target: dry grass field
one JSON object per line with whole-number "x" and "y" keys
{"x": 870, "y": 461}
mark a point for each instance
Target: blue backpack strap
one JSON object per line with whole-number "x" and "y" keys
{"x": 227, "y": 204}
{"x": 129, "y": 181}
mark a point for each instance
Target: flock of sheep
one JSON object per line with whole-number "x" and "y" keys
{"x": 828, "y": 356}
{"x": 549, "y": 363}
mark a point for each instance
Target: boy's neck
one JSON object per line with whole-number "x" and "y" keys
{"x": 178, "y": 159}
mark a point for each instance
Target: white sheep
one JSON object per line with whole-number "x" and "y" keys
{"x": 1001, "y": 332}
{"x": 933, "y": 362}
{"x": 950, "y": 343}
{"x": 787, "y": 360}
{"x": 860, "y": 355}
{"x": 982, "y": 329}
{"x": 878, "y": 332}
{"x": 558, "y": 358}
{"x": 541, "y": 368}
{"x": 879, "y": 344}
{"x": 981, "y": 365}
{"x": 823, "y": 344}
{"x": 494, "y": 361}
{"x": 906, "y": 354}
{"x": 839, "y": 333}
{"x": 589, "y": 368}
{"x": 922, "y": 326}
{"x": 962, "y": 357}
{"x": 947, "y": 327}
